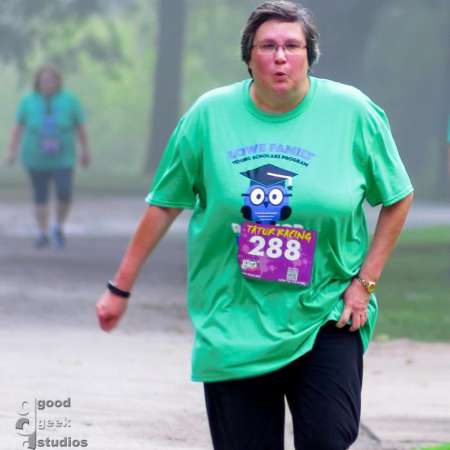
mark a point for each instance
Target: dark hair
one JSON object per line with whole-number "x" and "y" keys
{"x": 50, "y": 69}
{"x": 284, "y": 11}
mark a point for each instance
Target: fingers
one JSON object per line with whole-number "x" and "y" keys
{"x": 365, "y": 318}
{"x": 358, "y": 319}
{"x": 85, "y": 160}
{"x": 345, "y": 317}
{"x": 106, "y": 320}
{"x": 109, "y": 310}
{"x": 356, "y": 322}
{"x": 356, "y": 301}
{"x": 107, "y": 323}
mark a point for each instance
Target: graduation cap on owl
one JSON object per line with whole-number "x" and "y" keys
{"x": 267, "y": 198}
{"x": 269, "y": 175}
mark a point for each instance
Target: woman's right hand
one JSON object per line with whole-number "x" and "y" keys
{"x": 110, "y": 309}
{"x": 154, "y": 223}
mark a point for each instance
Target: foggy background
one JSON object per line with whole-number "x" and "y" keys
{"x": 137, "y": 65}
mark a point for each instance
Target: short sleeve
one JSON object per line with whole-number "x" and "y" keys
{"x": 387, "y": 180}
{"x": 177, "y": 179}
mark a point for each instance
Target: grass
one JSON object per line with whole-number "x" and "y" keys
{"x": 439, "y": 447}
{"x": 414, "y": 292}
{"x": 423, "y": 236}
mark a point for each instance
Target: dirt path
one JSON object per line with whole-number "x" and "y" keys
{"x": 130, "y": 389}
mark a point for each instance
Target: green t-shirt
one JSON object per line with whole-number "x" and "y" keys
{"x": 67, "y": 115}
{"x": 337, "y": 148}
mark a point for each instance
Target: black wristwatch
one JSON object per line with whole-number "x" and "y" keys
{"x": 117, "y": 291}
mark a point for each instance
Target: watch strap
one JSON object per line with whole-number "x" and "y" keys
{"x": 369, "y": 285}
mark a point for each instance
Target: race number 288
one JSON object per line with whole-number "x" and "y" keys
{"x": 274, "y": 248}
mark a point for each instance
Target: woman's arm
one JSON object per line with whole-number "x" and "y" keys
{"x": 85, "y": 157}
{"x": 152, "y": 227}
{"x": 11, "y": 153}
{"x": 389, "y": 225}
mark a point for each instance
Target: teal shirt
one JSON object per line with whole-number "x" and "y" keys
{"x": 68, "y": 117}
{"x": 338, "y": 149}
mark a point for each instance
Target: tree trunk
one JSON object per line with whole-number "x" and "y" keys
{"x": 167, "y": 79}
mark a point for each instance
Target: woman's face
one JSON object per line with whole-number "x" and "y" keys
{"x": 48, "y": 83}
{"x": 281, "y": 73}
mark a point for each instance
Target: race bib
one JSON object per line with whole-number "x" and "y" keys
{"x": 50, "y": 143}
{"x": 276, "y": 253}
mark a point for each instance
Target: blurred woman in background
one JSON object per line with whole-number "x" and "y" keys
{"x": 47, "y": 120}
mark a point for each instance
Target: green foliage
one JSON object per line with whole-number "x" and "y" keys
{"x": 439, "y": 447}
{"x": 66, "y": 43}
{"x": 212, "y": 46}
{"x": 437, "y": 235}
{"x": 61, "y": 30}
{"x": 107, "y": 49}
{"x": 414, "y": 290}
{"x": 118, "y": 102}
{"x": 117, "y": 106}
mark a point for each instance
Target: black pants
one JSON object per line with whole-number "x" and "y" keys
{"x": 40, "y": 182}
{"x": 323, "y": 391}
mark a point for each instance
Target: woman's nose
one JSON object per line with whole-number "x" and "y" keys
{"x": 280, "y": 54}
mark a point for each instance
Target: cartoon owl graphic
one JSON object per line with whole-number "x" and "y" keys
{"x": 267, "y": 198}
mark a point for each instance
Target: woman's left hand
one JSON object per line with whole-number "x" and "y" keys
{"x": 85, "y": 158}
{"x": 356, "y": 299}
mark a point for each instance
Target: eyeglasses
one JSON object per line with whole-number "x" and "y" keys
{"x": 289, "y": 48}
